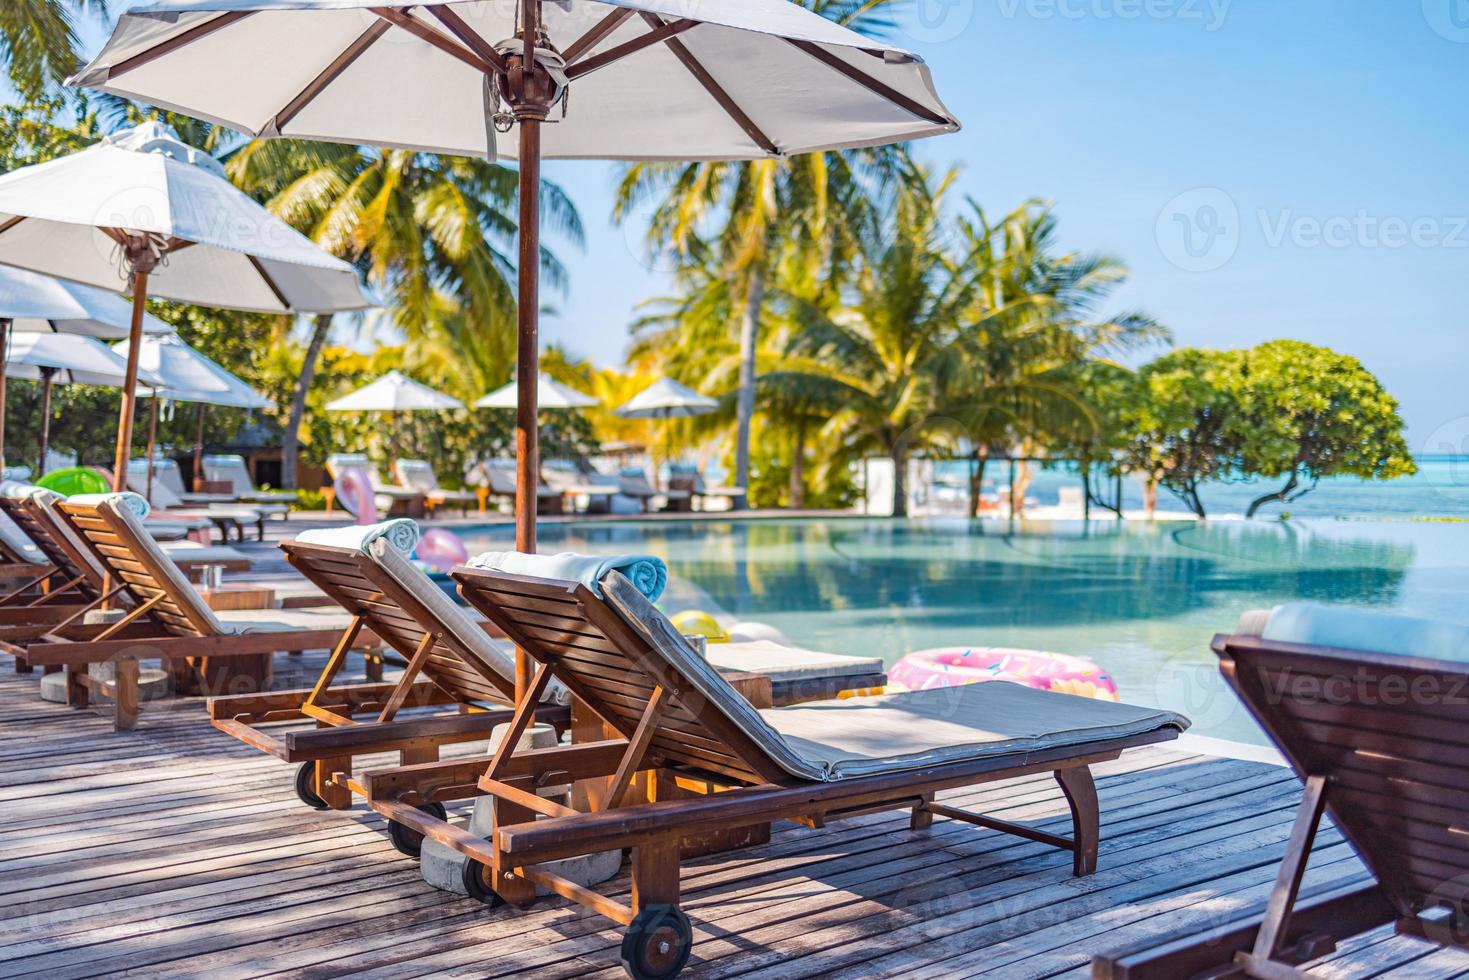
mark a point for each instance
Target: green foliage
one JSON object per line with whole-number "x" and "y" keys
{"x": 38, "y": 40}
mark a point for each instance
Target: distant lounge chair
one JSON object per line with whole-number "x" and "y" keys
{"x": 166, "y": 471}
{"x": 391, "y": 499}
{"x": 419, "y": 475}
{"x": 594, "y": 489}
{"x": 1372, "y": 711}
{"x": 499, "y": 476}
{"x": 811, "y": 763}
{"x": 683, "y": 476}
{"x": 450, "y": 659}
{"x": 230, "y": 470}
{"x": 227, "y": 517}
{"x": 633, "y": 482}
{"x": 164, "y": 616}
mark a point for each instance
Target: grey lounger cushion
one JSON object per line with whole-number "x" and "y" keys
{"x": 783, "y": 663}
{"x": 830, "y": 740}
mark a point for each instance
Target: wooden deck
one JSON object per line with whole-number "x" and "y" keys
{"x": 175, "y": 850}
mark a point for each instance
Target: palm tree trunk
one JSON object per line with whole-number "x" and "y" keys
{"x": 976, "y": 479}
{"x": 745, "y": 403}
{"x": 321, "y": 325}
{"x": 898, "y": 453}
{"x": 798, "y": 469}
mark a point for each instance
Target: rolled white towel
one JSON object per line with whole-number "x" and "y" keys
{"x": 401, "y": 533}
{"x": 647, "y": 573}
{"x": 132, "y": 501}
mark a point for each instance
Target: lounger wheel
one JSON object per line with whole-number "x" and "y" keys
{"x": 477, "y": 876}
{"x": 305, "y": 776}
{"x": 657, "y": 943}
{"x": 409, "y": 841}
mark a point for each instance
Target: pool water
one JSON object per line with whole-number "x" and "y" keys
{"x": 1141, "y": 599}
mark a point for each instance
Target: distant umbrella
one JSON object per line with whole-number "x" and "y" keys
{"x": 394, "y": 392}
{"x": 667, "y": 399}
{"x": 550, "y": 393}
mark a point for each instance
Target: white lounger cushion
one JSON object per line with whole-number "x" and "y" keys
{"x": 283, "y": 620}
{"x": 830, "y": 740}
{"x": 783, "y": 663}
{"x": 496, "y": 655}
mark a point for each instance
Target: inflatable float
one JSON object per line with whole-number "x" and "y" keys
{"x": 952, "y": 666}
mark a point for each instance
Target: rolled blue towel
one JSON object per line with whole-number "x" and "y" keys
{"x": 647, "y": 573}
{"x": 132, "y": 501}
{"x": 401, "y": 533}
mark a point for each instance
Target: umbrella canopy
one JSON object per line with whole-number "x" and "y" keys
{"x": 652, "y": 79}
{"x": 667, "y": 399}
{"x": 394, "y": 392}
{"x": 550, "y": 394}
{"x": 69, "y": 359}
{"x": 186, "y": 375}
{"x": 34, "y": 303}
{"x": 69, "y": 217}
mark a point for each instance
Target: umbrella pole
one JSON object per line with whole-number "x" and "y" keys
{"x": 199, "y": 447}
{"x": 141, "y": 266}
{"x": 4, "y": 357}
{"x": 152, "y": 441}
{"x": 47, "y": 376}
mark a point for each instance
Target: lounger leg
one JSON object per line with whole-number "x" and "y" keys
{"x": 510, "y": 886}
{"x": 373, "y": 664}
{"x": 77, "y": 693}
{"x": 1086, "y": 819}
{"x": 125, "y": 693}
{"x": 22, "y": 667}
{"x": 336, "y": 796}
{"x": 655, "y": 873}
{"x": 922, "y": 818}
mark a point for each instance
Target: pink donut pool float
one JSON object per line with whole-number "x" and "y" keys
{"x": 952, "y": 666}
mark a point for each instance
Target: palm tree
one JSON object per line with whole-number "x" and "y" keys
{"x": 757, "y": 220}
{"x": 38, "y": 40}
{"x": 434, "y": 234}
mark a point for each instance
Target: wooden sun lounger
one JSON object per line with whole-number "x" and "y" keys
{"x": 163, "y": 617}
{"x": 1382, "y": 745}
{"x": 439, "y": 670}
{"x": 674, "y": 712}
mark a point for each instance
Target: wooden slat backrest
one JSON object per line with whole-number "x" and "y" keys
{"x": 136, "y": 565}
{"x": 1391, "y": 734}
{"x": 28, "y": 515}
{"x": 613, "y": 670}
{"x": 356, "y": 583}
{"x": 8, "y": 554}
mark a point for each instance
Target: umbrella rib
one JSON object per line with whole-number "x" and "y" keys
{"x": 868, "y": 82}
{"x": 341, "y": 63}
{"x": 468, "y": 36}
{"x": 11, "y": 222}
{"x": 265, "y": 277}
{"x": 661, "y": 32}
{"x": 594, "y": 36}
{"x": 177, "y": 41}
{"x": 714, "y": 89}
{"x": 427, "y": 34}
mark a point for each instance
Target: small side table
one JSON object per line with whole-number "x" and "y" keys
{"x": 246, "y": 674}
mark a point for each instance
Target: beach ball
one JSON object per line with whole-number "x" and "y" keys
{"x": 696, "y": 622}
{"x": 441, "y": 550}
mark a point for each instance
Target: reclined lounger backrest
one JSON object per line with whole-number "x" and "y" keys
{"x": 612, "y": 653}
{"x": 130, "y": 556}
{"x": 29, "y": 515}
{"x": 1391, "y": 736}
{"x": 460, "y": 663}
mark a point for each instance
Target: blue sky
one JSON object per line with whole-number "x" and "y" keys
{"x": 1268, "y": 168}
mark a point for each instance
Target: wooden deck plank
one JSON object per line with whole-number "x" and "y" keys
{"x": 175, "y": 850}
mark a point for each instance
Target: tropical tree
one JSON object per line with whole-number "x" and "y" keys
{"x": 790, "y": 218}
{"x": 434, "y": 235}
{"x": 1304, "y": 412}
{"x": 38, "y": 40}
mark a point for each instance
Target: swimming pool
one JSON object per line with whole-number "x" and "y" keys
{"x": 1141, "y": 599}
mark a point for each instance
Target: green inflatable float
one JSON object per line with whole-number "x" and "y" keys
{"x": 75, "y": 479}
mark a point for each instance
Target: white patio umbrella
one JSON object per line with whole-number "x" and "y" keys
{"x": 33, "y": 303}
{"x": 145, "y": 208}
{"x": 666, "y": 399}
{"x": 188, "y": 376}
{"x": 393, "y": 393}
{"x": 631, "y": 79}
{"x": 550, "y": 394}
{"x": 52, "y": 358}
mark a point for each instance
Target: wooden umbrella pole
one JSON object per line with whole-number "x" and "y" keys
{"x": 199, "y": 447}
{"x": 142, "y": 263}
{"x": 48, "y": 376}
{"x": 152, "y": 441}
{"x": 529, "y": 94}
{"x": 4, "y": 358}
